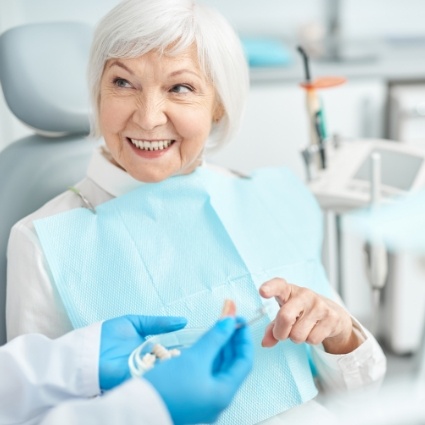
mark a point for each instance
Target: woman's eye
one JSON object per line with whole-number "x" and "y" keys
{"x": 120, "y": 82}
{"x": 181, "y": 88}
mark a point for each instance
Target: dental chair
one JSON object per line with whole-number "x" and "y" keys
{"x": 42, "y": 75}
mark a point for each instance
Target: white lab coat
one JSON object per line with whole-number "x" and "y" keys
{"x": 44, "y": 381}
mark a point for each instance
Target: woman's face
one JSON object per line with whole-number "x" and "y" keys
{"x": 156, "y": 113}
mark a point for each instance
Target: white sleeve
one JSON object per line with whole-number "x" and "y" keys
{"x": 364, "y": 367}
{"x": 38, "y": 373}
{"x": 33, "y": 304}
{"x": 134, "y": 403}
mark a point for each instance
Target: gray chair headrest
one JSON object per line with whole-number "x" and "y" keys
{"x": 43, "y": 75}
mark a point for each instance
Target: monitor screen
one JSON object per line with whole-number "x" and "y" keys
{"x": 398, "y": 169}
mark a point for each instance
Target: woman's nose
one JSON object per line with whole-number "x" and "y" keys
{"x": 150, "y": 112}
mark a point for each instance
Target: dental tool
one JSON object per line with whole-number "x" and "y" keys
{"x": 318, "y": 132}
{"x": 259, "y": 314}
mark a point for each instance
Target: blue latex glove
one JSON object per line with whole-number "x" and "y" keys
{"x": 198, "y": 385}
{"x": 120, "y": 336}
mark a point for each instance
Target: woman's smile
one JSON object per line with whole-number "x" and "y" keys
{"x": 152, "y": 145}
{"x": 150, "y": 149}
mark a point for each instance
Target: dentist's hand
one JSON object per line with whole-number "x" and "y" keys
{"x": 120, "y": 336}
{"x": 202, "y": 381}
{"x": 306, "y": 316}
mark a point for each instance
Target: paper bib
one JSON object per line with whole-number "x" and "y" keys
{"x": 181, "y": 247}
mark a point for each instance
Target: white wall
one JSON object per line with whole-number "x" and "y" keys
{"x": 360, "y": 18}
{"x": 17, "y": 12}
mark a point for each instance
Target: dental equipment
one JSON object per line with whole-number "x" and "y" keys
{"x": 375, "y": 250}
{"x": 346, "y": 183}
{"x": 259, "y": 314}
{"x": 166, "y": 346}
{"x": 318, "y": 133}
{"x": 351, "y": 181}
{"x": 315, "y": 111}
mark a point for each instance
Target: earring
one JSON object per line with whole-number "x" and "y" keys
{"x": 218, "y": 114}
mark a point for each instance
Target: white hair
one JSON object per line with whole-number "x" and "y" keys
{"x": 135, "y": 27}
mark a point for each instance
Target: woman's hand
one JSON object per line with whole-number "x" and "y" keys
{"x": 305, "y": 316}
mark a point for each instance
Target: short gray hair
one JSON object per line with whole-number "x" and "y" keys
{"x": 135, "y": 27}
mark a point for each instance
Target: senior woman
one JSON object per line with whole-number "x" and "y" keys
{"x": 153, "y": 229}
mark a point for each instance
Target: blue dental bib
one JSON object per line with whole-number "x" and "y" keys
{"x": 183, "y": 246}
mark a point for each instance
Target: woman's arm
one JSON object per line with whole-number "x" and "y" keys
{"x": 33, "y": 304}
{"x": 365, "y": 367}
{"x": 345, "y": 354}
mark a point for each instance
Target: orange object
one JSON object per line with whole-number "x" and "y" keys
{"x": 323, "y": 83}
{"x": 318, "y": 133}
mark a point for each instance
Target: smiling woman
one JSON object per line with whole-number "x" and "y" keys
{"x": 170, "y": 234}
{"x": 172, "y": 29}
{"x": 156, "y": 112}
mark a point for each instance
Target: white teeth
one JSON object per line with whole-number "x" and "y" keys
{"x": 151, "y": 146}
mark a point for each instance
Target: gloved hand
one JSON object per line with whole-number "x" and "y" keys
{"x": 202, "y": 381}
{"x": 120, "y": 336}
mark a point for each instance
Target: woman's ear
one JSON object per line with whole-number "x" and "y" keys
{"x": 218, "y": 113}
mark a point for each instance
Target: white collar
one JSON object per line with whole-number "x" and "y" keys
{"x": 108, "y": 176}
{"x": 112, "y": 179}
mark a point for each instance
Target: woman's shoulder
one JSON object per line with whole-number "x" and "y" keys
{"x": 276, "y": 185}
{"x": 282, "y": 173}
{"x": 282, "y": 176}
{"x": 278, "y": 181}
{"x": 289, "y": 197}
{"x": 65, "y": 201}
{"x": 223, "y": 170}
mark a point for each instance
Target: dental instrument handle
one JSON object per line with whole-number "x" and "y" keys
{"x": 319, "y": 123}
{"x": 259, "y": 314}
{"x": 305, "y": 63}
{"x": 376, "y": 179}
{"x": 315, "y": 112}
{"x": 378, "y": 252}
